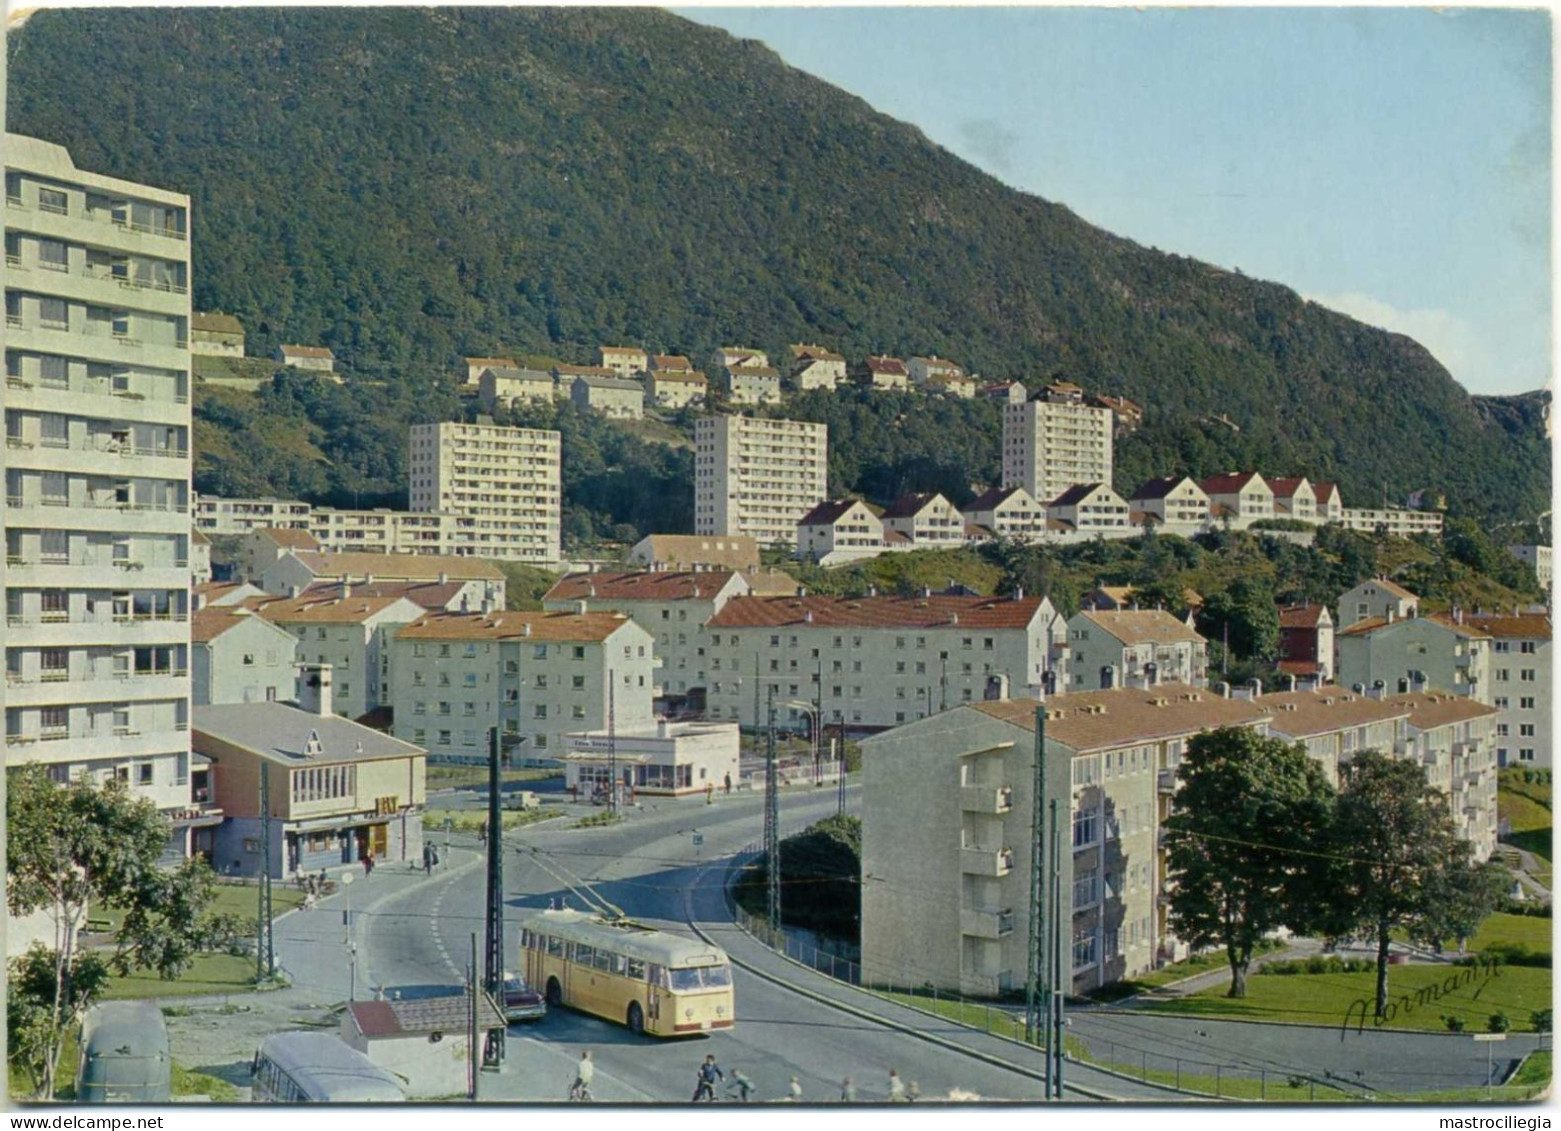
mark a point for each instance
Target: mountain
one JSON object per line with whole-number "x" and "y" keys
{"x": 408, "y": 185}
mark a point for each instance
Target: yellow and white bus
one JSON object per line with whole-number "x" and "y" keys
{"x": 649, "y": 980}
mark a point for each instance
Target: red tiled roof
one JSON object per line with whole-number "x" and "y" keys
{"x": 1301, "y": 713}
{"x": 1323, "y": 491}
{"x": 290, "y": 537}
{"x": 1228, "y": 483}
{"x": 1520, "y": 626}
{"x": 1075, "y": 494}
{"x": 1428, "y": 710}
{"x": 891, "y": 365}
{"x": 583, "y": 628}
{"x": 1301, "y": 616}
{"x": 878, "y": 612}
{"x": 1299, "y": 667}
{"x": 317, "y": 609}
{"x": 306, "y": 351}
{"x": 1141, "y": 626}
{"x": 670, "y": 361}
{"x": 753, "y": 371}
{"x": 827, "y": 513}
{"x": 990, "y": 498}
{"x": 641, "y": 585}
{"x": 1097, "y": 720}
{"x": 815, "y": 353}
{"x": 212, "y": 621}
{"x": 584, "y": 371}
{"x": 1377, "y": 624}
{"x": 428, "y": 594}
{"x": 1285, "y": 488}
{"x": 908, "y": 506}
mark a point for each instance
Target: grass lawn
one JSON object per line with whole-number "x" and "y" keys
{"x": 1527, "y": 806}
{"x": 449, "y": 775}
{"x": 208, "y": 974}
{"x": 1332, "y": 999}
{"x": 472, "y": 820}
{"x": 1531, "y": 1078}
{"x": 236, "y": 899}
{"x": 1531, "y": 931}
{"x": 1175, "y": 972}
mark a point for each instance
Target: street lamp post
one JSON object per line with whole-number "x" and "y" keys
{"x": 352, "y": 946}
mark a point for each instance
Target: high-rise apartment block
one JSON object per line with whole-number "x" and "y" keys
{"x": 506, "y": 480}
{"x": 757, "y": 477}
{"x": 97, "y": 477}
{"x": 1053, "y": 442}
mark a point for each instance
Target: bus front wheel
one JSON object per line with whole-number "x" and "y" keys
{"x": 555, "y": 993}
{"x": 636, "y": 1019}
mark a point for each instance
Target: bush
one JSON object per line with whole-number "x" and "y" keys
{"x": 1541, "y": 1020}
{"x": 1498, "y": 1023}
{"x": 1454, "y": 1024}
{"x": 1514, "y": 954}
{"x": 1318, "y": 964}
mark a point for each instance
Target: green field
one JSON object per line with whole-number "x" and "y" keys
{"x": 1531, "y": 931}
{"x": 472, "y": 820}
{"x": 1527, "y": 805}
{"x": 230, "y": 899}
{"x": 451, "y": 775}
{"x": 1335, "y": 999}
{"x": 1175, "y": 972}
{"x": 209, "y": 974}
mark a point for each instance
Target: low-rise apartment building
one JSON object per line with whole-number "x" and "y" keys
{"x": 1437, "y": 652}
{"x": 757, "y": 476}
{"x": 842, "y": 530}
{"x": 670, "y": 363}
{"x": 1006, "y": 392}
{"x": 1175, "y": 502}
{"x": 1520, "y": 685}
{"x": 883, "y": 661}
{"x": 1396, "y": 521}
{"x": 729, "y": 357}
{"x": 348, "y": 634}
{"x": 1306, "y": 642}
{"x": 1294, "y": 498}
{"x": 238, "y": 657}
{"x": 947, "y": 819}
{"x": 611, "y": 396}
{"x": 537, "y": 676}
{"x": 672, "y": 606}
{"x": 217, "y": 516}
{"x": 1126, "y": 415}
{"x": 503, "y": 387}
{"x": 216, "y": 335}
{"x": 885, "y": 374}
{"x": 1238, "y": 498}
{"x": 470, "y": 371}
{"x": 924, "y": 369}
{"x": 1454, "y": 740}
{"x": 318, "y": 359}
{"x": 696, "y": 551}
{"x": 1334, "y": 724}
{"x": 1087, "y": 508}
{"x": 1133, "y": 648}
{"x": 752, "y": 385}
{"x": 338, "y": 791}
{"x": 950, "y": 385}
{"x": 626, "y": 361}
{"x": 929, "y": 521}
{"x": 1007, "y": 512}
{"x": 1330, "y": 503}
{"x": 677, "y": 390}
{"x": 301, "y": 569}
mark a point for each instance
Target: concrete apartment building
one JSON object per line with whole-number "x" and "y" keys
{"x": 670, "y": 363}
{"x": 97, "y": 478}
{"x": 1088, "y": 508}
{"x": 1133, "y": 648}
{"x": 1437, "y": 652}
{"x": 672, "y": 606}
{"x": 884, "y": 661}
{"x": 1393, "y": 520}
{"x": 239, "y": 657}
{"x": 216, "y": 335}
{"x": 509, "y": 477}
{"x": 947, "y": 812}
{"x": 217, "y": 516}
{"x": 471, "y": 369}
{"x": 338, "y": 791}
{"x": 885, "y": 374}
{"x": 1454, "y": 740}
{"x": 923, "y": 370}
{"x": 695, "y": 551}
{"x": 613, "y": 397}
{"x": 301, "y": 569}
{"x": 842, "y": 530}
{"x": 1537, "y": 558}
{"x": 1333, "y": 724}
{"x": 1520, "y": 685}
{"x": 1007, "y": 512}
{"x": 1050, "y": 445}
{"x": 677, "y": 390}
{"x": 537, "y": 676}
{"x": 758, "y": 477}
{"x": 1376, "y": 599}
{"x": 1238, "y": 498}
{"x": 502, "y": 387}
{"x": 1174, "y": 502}
{"x": 926, "y": 520}
{"x": 348, "y": 634}
{"x": 1294, "y": 498}
{"x": 814, "y": 367}
{"x": 729, "y": 357}
{"x": 625, "y": 361}
{"x": 750, "y": 385}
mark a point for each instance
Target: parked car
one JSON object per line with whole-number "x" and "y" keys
{"x": 521, "y": 1002}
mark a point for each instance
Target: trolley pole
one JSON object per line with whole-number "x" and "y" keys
{"x": 612, "y": 743}
{"x": 493, "y": 966}
{"x": 772, "y": 826}
{"x": 1036, "y": 967}
{"x": 1057, "y": 940}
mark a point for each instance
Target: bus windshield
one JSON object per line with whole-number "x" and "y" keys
{"x": 703, "y": 977}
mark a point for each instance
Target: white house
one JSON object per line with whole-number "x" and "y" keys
{"x": 317, "y": 358}
{"x": 501, "y": 387}
{"x": 814, "y": 367}
{"x": 1175, "y": 502}
{"x": 1520, "y": 684}
{"x": 425, "y": 1040}
{"x": 739, "y": 357}
{"x": 1133, "y": 648}
{"x": 611, "y": 396}
{"x": 1438, "y": 652}
{"x": 839, "y": 531}
{"x": 625, "y": 361}
{"x": 238, "y": 657}
{"x": 924, "y": 369}
{"x": 886, "y": 374}
{"x": 927, "y": 520}
{"x": 1238, "y": 498}
{"x": 1294, "y": 498}
{"x": 1008, "y": 512}
{"x": 753, "y": 385}
{"x": 1378, "y": 599}
{"x": 1087, "y": 508}
{"x": 676, "y": 390}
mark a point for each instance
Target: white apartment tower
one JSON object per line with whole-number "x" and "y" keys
{"x": 97, "y": 477}
{"x": 506, "y": 481}
{"x": 1051, "y": 445}
{"x": 757, "y": 477}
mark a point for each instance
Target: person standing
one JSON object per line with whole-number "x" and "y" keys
{"x": 896, "y": 1087}
{"x": 794, "y": 1091}
{"x": 728, "y": 783}
{"x": 428, "y": 859}
{"x": 847, "y": 1091}
{"x": 585, "y": 1072}
{"x": 709, "y": 1073}
{"x": 368, "y": 864}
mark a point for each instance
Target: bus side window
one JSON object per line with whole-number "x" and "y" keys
{"x": 637, "y": 969}
{"x": 607, "y": 960}
{"x": 555, "y": 946}
{"x": 618, "y": 963}
{"x": 584, "y": 955}
{"x": 525, "y": 939}
{"x": 658, "y": 975}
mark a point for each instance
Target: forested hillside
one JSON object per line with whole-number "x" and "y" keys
{"x": 407, "y": 185}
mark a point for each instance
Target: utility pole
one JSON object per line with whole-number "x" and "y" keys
{"x": 818, "y": 723}
{"x": 943, "y": 701}
{"x": 1035, "y": 972}
{"x": 612, "y": 743}
{"x": 758, "y": 719}
{"x": 493, "y": 955}
{"x": 471, "y": 1022}
{"x": 1055, "y": 1051}
{"x": 772, "y": 826}
{"x": 265, "y": 943}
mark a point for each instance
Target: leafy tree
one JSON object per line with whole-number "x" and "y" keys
{"x": 32, "y": 991}
{"x": 1248, "y": 611}
{"x": 1248, "y": 812}
{"x": 75, "y": 845}
{"x": 1398, "y": 863}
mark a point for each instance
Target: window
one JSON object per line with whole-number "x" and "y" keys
{"x": 577, "y": 711}
{"x": 1526, "y": 703}
{"x": 539, "y": 652}
{"x": 1526, "y": 647}
{"x": 1086, "y": 828}
{"x": 1525, "y": 730}
{"x": 53, "y": 200}
{"x": 1084, "y": 952}
{"x": 1500, "y": 703}
{"x": 1086, "y": 889}
{"x": 577, "y": 652}
{"x": 1526, "y": 675}
{"x": 444, "y": 738}
{"x": 144, "y": 774}
{"x": 577, "y": 682}
{"x": 1526, "y": 754}
{"x": 540, "y": 711}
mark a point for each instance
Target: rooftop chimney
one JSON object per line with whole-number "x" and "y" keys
{"x": 444, "y": 578}
{"x": 314, "y": 689}
{"x": 579, "y": 608}
{"x": 293, "y": 591}
{"x": 1018, "y": 592}
{"x": 346, "y": 589}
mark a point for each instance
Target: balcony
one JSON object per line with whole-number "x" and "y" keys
{"x": 1166, "y": 781}
{"x": 986, "y": 924}
{"x": 986, "y": 861}
{"x": 989, "y": 799}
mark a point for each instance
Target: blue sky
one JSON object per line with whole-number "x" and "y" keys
{"x": 1392, "y": 164}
